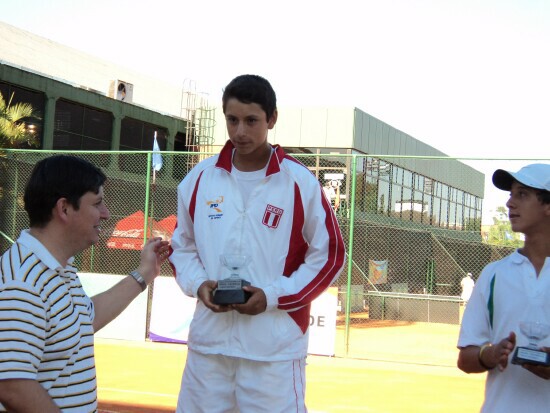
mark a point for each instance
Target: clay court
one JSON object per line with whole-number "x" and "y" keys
{"x": 404, "y": 368}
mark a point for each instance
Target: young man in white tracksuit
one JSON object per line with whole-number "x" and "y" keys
{"x": 252, "y": 199}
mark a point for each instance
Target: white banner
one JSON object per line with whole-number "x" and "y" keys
{"x": 131, "y": 323}
{"x": 322, "y": 323}
{"x": 172, "y": 311}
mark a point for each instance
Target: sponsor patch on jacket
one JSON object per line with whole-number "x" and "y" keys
{"x": 215, "y": 209}
{"x": 272, "y": 216}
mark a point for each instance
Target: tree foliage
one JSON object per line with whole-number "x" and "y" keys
{"x": 14, "y": 128}
{"x": 501, "y": 232}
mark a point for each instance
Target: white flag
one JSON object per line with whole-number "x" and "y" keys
{"x": 157, "y": 157}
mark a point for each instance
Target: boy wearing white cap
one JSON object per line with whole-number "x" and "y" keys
{"x": 509, "y": 291}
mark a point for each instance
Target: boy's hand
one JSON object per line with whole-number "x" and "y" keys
{"x": 256, "y": 304}
{"x": 504, "y": 348}
{"x": 542, "y": 371}
{"x": 205, "y": 293}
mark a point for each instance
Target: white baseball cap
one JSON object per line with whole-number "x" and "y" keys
{"x": 536, "y": 175}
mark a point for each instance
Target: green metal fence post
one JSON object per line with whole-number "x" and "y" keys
{"x": 14, "y": 213}
{"x": 350, "y": 247}
{"x": 147, "y": 195}
{"x": 145, "y": 229}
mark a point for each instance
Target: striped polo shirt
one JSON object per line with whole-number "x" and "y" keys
{"x": 46, "y": 331}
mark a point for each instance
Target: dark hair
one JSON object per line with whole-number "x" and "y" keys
{"x": 542, "y": 195}
{"x": 59, "y": 176}
{"x": 251, "y": 89}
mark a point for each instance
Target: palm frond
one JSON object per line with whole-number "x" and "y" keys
{"x": 13, "y": 124}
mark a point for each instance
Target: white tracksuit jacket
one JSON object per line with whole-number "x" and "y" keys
{"x": 288, "y": 228}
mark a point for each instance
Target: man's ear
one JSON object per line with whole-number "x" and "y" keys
{"x": 60, "y": 209}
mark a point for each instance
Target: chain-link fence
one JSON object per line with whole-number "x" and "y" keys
{"x": 410, "y": 238}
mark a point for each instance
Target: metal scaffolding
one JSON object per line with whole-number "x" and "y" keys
{"x": 197, "y": 110}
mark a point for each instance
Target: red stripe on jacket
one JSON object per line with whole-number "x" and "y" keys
{"x": 193, "y": 202}
{"x": 296, "y": 257}
{"x": 192, "y": 206}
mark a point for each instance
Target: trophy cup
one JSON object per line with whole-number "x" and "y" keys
{"x": 534, "y": 331}
{"x": 230, "y": 290}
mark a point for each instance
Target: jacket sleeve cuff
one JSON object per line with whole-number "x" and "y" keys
{"x": 190, "y": 286}
{"x": 271, "y": 297}
{"x": 196, "y": 284}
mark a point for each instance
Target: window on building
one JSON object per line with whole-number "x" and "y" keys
{"x": 418, "y": 208}
{"x": 460, "y": 217}
{"x": 369, "y": 194}
{"x": 371, "y": 166}
{"x": 136, "y": 135}
{"x": 460, "y": 210}
{"x": 444, "y": 215}
{"x": 397, "y": 175}
{"x": 383, "y": 197}
{"x": 78, "y": 127}
{"x": 395, "y": 200}
{"x": 428, "y": 185}
{"x": 436, "y": 211}
{"x": 182, "y": 163}
{"x": 406, "y": 204}
{"x": 427, "y": 216}
{"x": 179, "y": 143}
{"x": 407, "y": 196}
{"x": 452, "y": 208}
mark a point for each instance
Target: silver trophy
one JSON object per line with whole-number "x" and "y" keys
{"x": 230, "y": 290}
{"x": 535, "y": 331}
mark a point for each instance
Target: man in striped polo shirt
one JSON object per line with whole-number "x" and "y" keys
{"x": 47, "y": 321}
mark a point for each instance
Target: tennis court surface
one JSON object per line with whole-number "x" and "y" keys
{"x": 144, "y": 377}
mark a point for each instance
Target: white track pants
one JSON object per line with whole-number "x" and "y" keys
{"x": 220, "y": 384}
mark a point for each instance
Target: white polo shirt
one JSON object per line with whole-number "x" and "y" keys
{"x": 507, "y": 292}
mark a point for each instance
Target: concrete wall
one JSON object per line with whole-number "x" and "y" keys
{"x": 40, "y": 55}
{"x": 303, "y": 127}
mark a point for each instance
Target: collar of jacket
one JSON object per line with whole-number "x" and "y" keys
{"x": 226, "y": 155}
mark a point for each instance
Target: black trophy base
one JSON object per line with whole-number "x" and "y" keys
{"x": 230, "y": 291}
{"x": 524, "y": 355}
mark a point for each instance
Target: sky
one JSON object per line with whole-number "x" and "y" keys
{"x": 468, "y": 77}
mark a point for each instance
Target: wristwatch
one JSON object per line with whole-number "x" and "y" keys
{"x": 139, "y": 279}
